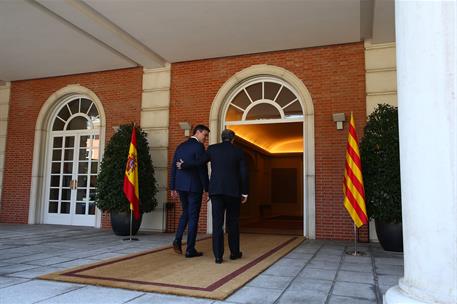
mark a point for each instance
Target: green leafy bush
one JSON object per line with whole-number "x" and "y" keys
{"x": 110, "y": 181}
{"x": 380, "y": 155}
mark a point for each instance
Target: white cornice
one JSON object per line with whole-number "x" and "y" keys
{"x": 5, "y": 86}
{"x": 167, "y": 68}
{"x": 381, "y": 70}
{"x": 156, "y": 89}
{"x": 370, "y": 46}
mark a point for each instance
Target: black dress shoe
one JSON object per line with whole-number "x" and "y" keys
{"x": 193, "y": 254}
{"x": 236, "y": 256}
{"x": 219, "y": 260}
{"x": 177, "y": 247}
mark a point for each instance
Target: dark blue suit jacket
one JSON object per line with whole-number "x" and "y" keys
{"x": 229, "y": 173}
{"x": 194, "y": 179}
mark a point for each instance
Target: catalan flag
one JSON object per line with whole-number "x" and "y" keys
{"x": 131, "y": 178}
{"x": 354, "y": 193}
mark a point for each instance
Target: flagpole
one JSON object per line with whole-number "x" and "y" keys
{"x": 131, "y": 221}
{"x": 355, "y": 240}
{"x": 355, "y": 229}
{"x": 131, "y": 180}
{"x": 353, "y": 190}
{"x": 355, "y": 252}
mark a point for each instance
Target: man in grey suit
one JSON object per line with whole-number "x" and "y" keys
{"x": 228, "y": 188}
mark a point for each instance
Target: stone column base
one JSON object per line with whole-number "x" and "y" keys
{"x": 395, "y": 295}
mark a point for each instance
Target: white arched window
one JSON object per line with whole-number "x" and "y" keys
{"x": 263, "y": 99}
{"x": 73, "y": 160}
{"x": 78, "y": 114}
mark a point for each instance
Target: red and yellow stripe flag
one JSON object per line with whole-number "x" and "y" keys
{"x": 131, "y": 178}
{"x": 354, "y": 193}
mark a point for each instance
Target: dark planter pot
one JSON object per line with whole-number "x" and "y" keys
{"x": 390, "y": 236}
{"x": 120, "y": 223}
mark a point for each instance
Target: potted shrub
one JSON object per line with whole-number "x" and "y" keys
{"x": 110, "y": 196}
{"x": 380, "y": 155}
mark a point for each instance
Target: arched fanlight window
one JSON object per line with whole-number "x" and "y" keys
{"x": 77, "y": 114}
{"x": 264, "y": 98}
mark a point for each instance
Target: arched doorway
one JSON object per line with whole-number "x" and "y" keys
{"x": 267, "y": 116}
{"x": 72, "y": 160}
{"x": 263, "y": 104}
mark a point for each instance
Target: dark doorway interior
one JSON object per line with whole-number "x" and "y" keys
{"x": 275, "y": 203}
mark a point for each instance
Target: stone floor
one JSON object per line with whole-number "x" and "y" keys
{"x": 315, "y": 272}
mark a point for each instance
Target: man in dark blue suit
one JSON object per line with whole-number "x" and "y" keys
{"x": 228, "y": 188}
{"x": 189, "y": 186}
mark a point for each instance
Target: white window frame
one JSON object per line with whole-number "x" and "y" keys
{"x": 263, "y": 100}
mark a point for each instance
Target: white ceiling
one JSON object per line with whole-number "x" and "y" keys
{"x": 42, "y": 38}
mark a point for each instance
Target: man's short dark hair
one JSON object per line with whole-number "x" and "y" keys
{"x": 200, "y": 128}
{"x": 227, "y": 135}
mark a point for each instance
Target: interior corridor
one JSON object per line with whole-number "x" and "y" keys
{"x": 274, "y": 154}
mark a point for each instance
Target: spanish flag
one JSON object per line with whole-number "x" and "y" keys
{"x": 354, "y": 193}
{"x": 131, "y": 178}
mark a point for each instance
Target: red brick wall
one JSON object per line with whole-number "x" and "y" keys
{"x": 335, "y": 78}
{"x": 120, "y": 93}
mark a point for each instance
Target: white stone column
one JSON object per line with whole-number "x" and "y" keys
{"x": 155, "y": 108}
{"x": 426, "y": 62}
{"x": 5, "y": 91}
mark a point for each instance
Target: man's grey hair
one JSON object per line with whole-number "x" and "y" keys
{"x": 227, "y": 135}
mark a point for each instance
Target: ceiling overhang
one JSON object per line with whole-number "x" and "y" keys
{"x": 44, "y": 38}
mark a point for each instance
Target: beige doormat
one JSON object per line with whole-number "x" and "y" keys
{"x": 164, "y": 271}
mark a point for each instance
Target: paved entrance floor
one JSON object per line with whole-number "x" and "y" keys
{"x": 315, "y": 272}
